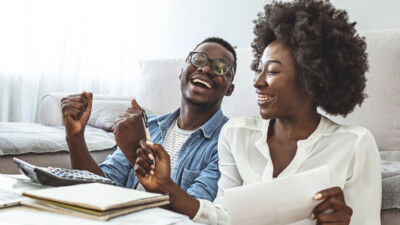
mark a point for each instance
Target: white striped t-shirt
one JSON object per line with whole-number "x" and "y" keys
{"x": 173, "y": 142}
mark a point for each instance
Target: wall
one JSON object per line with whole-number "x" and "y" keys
{"x": 176, "y": 26}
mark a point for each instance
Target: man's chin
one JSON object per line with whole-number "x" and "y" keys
{"x": 199, "y": 102}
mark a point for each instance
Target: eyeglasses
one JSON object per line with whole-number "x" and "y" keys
{"x": 219, "y": 66}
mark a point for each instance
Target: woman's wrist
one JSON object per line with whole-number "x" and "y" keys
{"x": 168, "y": 186}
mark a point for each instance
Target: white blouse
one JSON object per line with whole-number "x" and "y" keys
{"x": 349, "y": 151}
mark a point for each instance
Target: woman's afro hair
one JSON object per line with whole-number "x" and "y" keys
{"x": 330, "y": 55}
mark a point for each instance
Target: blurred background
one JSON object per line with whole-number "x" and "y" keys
{"x": 97, "y": 45}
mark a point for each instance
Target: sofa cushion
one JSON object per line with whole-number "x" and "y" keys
{"x": 243, "y": 101}
{"x": 380, "y": 111}
{"x": 23, "y": 138}
{"x": 158, "y": 88}
{"x": 105, "y": 112}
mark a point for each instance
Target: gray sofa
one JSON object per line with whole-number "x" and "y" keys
{"x": 157, "y": 88}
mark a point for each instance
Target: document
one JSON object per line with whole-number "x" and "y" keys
{"x": 287, "y": 200}
{"x": 94, "y": 200}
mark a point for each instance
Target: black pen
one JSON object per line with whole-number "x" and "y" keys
{"x": 146, "y": 128}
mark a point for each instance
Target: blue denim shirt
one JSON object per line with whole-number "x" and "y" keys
{"x": 196, "y": 167}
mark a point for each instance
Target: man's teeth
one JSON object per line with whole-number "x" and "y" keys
{"x": 264, "y": 98}
{"x": 202, "y": 82}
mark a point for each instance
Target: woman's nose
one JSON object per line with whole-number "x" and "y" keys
{"x": 260, "y": 81}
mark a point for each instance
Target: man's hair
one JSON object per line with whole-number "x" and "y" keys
{"x": 224, "y": 44}
{"x": 330, "y": 55}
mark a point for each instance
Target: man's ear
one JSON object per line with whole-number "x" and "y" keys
{"x": 180, "y": 75}
{"x": 230, "y": 90}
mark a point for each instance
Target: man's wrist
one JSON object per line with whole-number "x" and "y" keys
{"x": 76, "y": 135}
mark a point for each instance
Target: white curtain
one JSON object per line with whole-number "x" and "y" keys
{"x": 66, "y": 46}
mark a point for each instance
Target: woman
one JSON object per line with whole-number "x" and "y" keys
{"x": 307, "y": 55}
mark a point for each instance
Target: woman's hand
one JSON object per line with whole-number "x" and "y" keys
{"x": 333, "y": 201}
{"x": 154, "y": 178}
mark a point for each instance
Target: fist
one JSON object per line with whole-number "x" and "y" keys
{"x": 76, "y": 111}
{"x": 129, "y": 130}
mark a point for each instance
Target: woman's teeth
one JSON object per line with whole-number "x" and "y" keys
{"x": 264, "y": 98}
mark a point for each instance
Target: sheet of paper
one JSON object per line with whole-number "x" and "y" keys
{"x": 281, "y": 201}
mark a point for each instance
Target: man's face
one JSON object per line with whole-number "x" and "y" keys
{"x": 201, "y": 86}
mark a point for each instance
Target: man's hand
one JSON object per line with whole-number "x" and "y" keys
{"x": 76, "y": 112}
{"x": 128, "y": 130}
{"x": 154, "y": 178}
{"x": 338, "y": 212}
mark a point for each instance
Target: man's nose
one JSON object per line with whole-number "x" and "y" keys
{"x": 206, "y": 68}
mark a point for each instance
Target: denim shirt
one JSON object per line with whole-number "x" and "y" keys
{"x": 196, "y": 167}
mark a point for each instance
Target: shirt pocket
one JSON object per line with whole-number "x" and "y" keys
{"x": 188, "y": 178}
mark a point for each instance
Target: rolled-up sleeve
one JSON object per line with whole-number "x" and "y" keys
{"x": 116, "y": 167}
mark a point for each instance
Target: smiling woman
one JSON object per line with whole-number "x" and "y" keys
{"x": 307, "y": 55}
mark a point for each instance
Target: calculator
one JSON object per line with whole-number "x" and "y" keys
{"x": 54, "y": 176}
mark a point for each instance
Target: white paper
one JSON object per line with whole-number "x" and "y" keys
{"x": 280, "y": 201}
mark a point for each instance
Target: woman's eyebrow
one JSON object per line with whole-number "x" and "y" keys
{"x": 274, "y": 61}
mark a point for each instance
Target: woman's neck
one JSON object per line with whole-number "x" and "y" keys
{"x": 295, "y": 128}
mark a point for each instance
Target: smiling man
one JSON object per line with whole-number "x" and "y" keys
{"x": 189, "y": 135}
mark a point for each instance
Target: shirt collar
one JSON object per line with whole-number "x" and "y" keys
{"x": 207, "y": 129}
{"x": 212, "y": 124}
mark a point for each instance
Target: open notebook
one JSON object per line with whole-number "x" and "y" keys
{"x": 94, "y": 200}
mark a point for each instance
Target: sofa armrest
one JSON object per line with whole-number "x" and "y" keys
{"x": 104, "y": 110}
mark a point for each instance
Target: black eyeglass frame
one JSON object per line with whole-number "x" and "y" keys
{"x": 230, "y": 67}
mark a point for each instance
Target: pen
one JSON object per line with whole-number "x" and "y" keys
{"x": 146, "y": 128}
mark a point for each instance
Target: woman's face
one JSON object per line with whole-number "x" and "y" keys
{"x": 279, "y": 92}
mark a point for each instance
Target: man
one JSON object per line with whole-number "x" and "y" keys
{"x": 189, "y": 134}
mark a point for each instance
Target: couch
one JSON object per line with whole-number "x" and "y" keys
{"x": 157, "y": 88}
